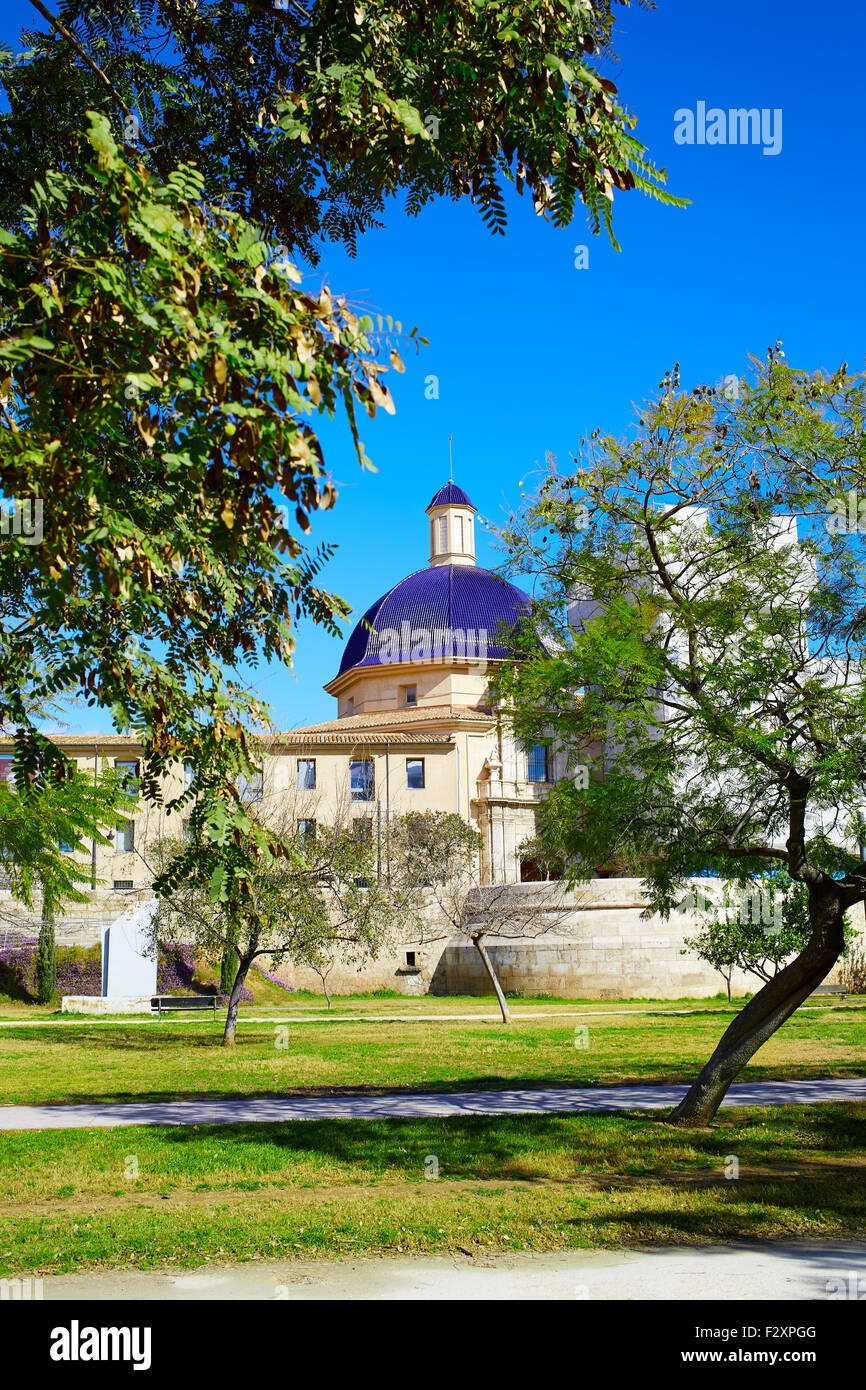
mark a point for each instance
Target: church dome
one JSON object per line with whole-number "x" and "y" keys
{"x": 451, "y": 496}
{"x": 463, "y": 600}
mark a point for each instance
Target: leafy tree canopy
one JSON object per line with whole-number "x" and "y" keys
{"x": 306, "y": 118}
{"x": 705, "y": 660}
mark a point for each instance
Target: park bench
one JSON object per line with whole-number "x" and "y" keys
{"x": 163, "y": 1003}
{"x": 839, "y": 990}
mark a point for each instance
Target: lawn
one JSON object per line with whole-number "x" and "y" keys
{"x": 356, "y": 1048}
{"x": 180, "y": 1197}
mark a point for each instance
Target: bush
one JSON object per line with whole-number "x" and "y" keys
{"x": 79, "y": 971}
{"x": 853, "y": 973}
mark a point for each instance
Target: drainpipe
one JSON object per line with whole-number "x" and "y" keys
{"x": 388, "y": 810}
{"x": 93, "y": 842}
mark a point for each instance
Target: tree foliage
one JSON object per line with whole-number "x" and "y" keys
{"x": 74, "y": 810}
{"x": 705, "y": 667}
{"x": 307, "y": 118}
{"x": 323, "y": 894}
{"x": 159, "y": 372}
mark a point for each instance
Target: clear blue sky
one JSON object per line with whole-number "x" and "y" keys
{"x": 531, "y": 353}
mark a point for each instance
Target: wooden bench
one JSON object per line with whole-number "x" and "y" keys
{"x": 164, "y": 1003}
{"x": 839, "y": 990}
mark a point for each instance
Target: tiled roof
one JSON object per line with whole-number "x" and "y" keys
{"x": 463, "y": 607}
{"x": 419, "y": 714}
{"x": 357, "y": 738}
{"x": 451, "y": 495}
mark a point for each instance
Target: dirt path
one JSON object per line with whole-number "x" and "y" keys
{"x": 791, "y": 1270}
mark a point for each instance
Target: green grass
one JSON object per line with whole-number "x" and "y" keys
{"x": 359, "y": 1051}
{"x": 239, "y": 1192}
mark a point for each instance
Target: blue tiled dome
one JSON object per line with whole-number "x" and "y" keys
{"x": 456, "y": 598}
{"x": 453, "y": 495}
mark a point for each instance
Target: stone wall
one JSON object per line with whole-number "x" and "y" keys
{"x": 599, "y": 947}
{"x": 594, "y": 945}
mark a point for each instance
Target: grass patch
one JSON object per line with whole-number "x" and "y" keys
{"x": 164, "y": 1060}
{"x": 143, "y": 1197}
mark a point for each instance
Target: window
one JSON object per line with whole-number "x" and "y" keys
{"x": 306, "y": 830}
{"x": 128, "y": 772}
{"x": 65, "y": 846}
{"x": 458, "y": 534}
{"x": 125, "y": 840}
{"x": 251, "y": 788}
{"x": 410, "y": 957}
{"x": 122, "y": 885}
{"x": 536, "y": 764}
{"x": 306, "y": 774}
{"x": 362, "y": 781}
{"x": 443, "y": 534}
{"x": 415, "y": 774}
{"x": 410, "y": 694}
{"x": 188, "y": 777}
{"x": 362, "y": 830}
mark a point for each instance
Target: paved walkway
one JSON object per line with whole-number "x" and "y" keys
{"x": 823, "y": 1270}
{"x": 551, "y": 1100}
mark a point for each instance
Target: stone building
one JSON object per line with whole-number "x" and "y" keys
{"x": 417, "y": 729}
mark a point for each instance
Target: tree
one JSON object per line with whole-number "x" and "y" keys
{"x": 323, "y": 965}
{"x": 307, "y": 118}
{"x": 159, "y": 361}
{"x": 711, "y": 671}
{"x": 46, "y": 957}
{"x": 320, "y": 896}
{"x": 755, "y": 931}
{"x": 158, "y": 374}
{"x": 440, "y": 854}
{"x": 41, "y": 827}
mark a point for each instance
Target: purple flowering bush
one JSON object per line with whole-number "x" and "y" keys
{"x": 274, "y": 979}
{"x": 79, "y": 971}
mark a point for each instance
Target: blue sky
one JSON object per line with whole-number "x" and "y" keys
{"x": 531, "y": 353}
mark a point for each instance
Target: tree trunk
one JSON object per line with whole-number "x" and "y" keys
{"x": 494, "y": 979}
{"x": 766, "y": 1012}
{"x": 244, "y": 964}
{"x": 46, "y": 957}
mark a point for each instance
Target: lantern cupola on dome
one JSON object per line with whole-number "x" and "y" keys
{"x": 452, "y": 527}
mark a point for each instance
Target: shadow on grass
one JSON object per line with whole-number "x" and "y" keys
{"x": 520, "y": 1148}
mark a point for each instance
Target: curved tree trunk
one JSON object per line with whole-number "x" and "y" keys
{"x": 494, "y": 979}
{"x": 764, "y": 1014}
{"x": 228, "y": 1039}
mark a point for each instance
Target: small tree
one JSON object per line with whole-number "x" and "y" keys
{"x": 756, "y": 929}
{"x": 320, "y": 895}
{"x": 323, "y": 965}
{"x": 440, "y": 855}
{"x": 46, "y": 956}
